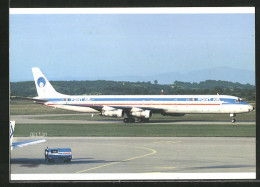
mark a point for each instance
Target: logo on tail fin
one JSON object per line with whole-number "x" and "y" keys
{"x": 41, "y": 82}
{"x": 11, "y": 130}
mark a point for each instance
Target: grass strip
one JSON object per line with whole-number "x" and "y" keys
{"x": 137, "y": 130}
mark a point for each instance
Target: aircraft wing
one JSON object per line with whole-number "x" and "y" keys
{"x": 128, "y": 108}
{"x": 125, "y": 108}
{"x": 25, "y": 143}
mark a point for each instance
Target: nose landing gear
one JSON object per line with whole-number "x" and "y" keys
{"x": 233, "y": 120}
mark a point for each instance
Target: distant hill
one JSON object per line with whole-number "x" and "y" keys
{"x": 221, "y": 73}
{"x": 101, "y": 87}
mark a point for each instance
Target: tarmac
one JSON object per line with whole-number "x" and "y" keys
{"x": 138, "y": 155}
{"x": 31, "y": 119}
{"x": 157, "y": 157}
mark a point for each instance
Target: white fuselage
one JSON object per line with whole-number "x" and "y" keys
{"x": 167, "y": 103}
{"x": 140, "y": 107}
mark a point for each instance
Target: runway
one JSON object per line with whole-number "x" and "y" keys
{"x": 139, "y": 155}
{"x": 29, "y": 119}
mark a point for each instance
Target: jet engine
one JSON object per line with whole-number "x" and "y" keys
{"x": 136, "y": 112}
{"x": 112, "y": 112}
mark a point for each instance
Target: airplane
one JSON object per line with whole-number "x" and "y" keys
{"x": 14, "y": 145}
{"x": 138, "y": 108}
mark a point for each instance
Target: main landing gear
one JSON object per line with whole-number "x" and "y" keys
{"x": 138, "y": 120}
{"x": 129, "y": 120}
{"x": 233, "y": 120}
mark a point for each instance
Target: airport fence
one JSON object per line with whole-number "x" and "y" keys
{"x": 38, "y": 134}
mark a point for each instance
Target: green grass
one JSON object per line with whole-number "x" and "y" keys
{"x": 25, "y": 107}
{"x": 137, "y": 130}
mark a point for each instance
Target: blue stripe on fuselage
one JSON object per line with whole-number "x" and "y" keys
{"x": 120, "y": 99}
{"x": 191, "y": 99}
{"x": 233, "y": 101}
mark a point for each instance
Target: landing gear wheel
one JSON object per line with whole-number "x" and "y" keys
{"x": 233, "y": 120}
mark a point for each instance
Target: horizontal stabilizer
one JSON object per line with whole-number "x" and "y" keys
{"x": 30, "y": 98}
{"x": 25, "y": 143}
{"x": 20, "y": 144}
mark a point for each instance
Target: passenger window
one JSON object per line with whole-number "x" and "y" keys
{"x": 54, "y": 151}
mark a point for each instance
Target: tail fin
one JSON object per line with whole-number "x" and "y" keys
{"x": 43, "y": 86}
{"x": 11, "y": 129}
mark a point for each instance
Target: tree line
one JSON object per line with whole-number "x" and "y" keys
{"x": 102, "y": 87}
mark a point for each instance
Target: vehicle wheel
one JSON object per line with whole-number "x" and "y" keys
{"x": 126, "y": 120}
{"x": 233, "y": 120}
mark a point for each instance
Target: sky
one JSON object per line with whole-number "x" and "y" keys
{"x": 70, "y": 46}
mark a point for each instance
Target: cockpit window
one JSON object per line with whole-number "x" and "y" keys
{"x": 238, "y": 100}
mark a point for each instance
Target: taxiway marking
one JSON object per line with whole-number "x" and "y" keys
{"x": 153, "y": 151}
